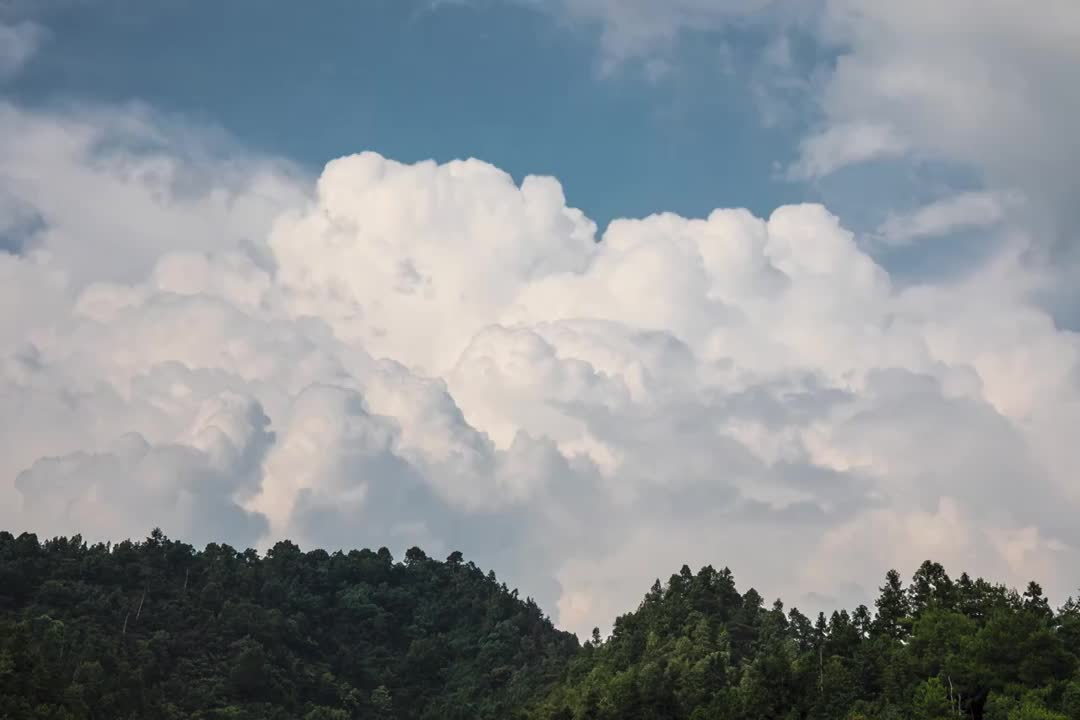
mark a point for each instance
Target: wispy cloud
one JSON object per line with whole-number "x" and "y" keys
{"x": 963, "y": 211}
{"x": 18, "y": 44}
{"x": 843, "y": 145}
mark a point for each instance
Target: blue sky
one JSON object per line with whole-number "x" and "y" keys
{"x": 501, "y": 82}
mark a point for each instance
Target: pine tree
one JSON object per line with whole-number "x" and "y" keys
{"x": 892, "y": 608}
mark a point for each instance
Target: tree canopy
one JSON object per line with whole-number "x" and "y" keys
{"x": 158, "y": 629}
{"x": 698, "y": 649}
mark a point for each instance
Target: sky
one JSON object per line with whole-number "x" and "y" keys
{"x": 586, "y": 289}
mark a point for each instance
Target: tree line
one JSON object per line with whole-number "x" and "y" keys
{"x": 158, "y": 629}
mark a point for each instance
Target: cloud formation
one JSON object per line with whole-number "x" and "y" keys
{"x": 984, "y": 90}
{"x": 965, "y": 210}
{"x": 986, "y": 84}
{"x": 433, "y": 354}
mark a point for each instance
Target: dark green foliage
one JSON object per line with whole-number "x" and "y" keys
{"x": 158, "y": 630}
{"x": 696, "y": 649}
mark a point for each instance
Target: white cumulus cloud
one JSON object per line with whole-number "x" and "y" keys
{"x": 434, "y": 354}
{"x": 981, "y": 89}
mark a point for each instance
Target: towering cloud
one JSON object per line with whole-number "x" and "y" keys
{"x": 432, "y": 354}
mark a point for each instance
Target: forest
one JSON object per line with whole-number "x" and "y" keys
{"x": 158, "y": 629}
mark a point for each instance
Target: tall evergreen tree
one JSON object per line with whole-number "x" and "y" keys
{"x": 893, "y": 608}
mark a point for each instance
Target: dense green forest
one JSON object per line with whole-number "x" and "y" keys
{"x": 938, "y": 649}
{"x": 157, "y": 629}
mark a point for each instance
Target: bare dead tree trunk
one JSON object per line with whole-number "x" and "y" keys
{"x": 141, "y": 601}
{"x": 957, "y": 703}
{"x": 187, "y": 571}
{"x": 124, "y": 631}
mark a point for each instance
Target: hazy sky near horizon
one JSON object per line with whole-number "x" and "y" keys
{"x": 586, "y": 289}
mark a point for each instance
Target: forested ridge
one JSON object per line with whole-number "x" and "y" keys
{"x": 937, "y": 649}
{"x": 158, "y": 629}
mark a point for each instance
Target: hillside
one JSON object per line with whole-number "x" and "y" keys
{"x": 697, "y": 648}
{"x": 157, "y": 629}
